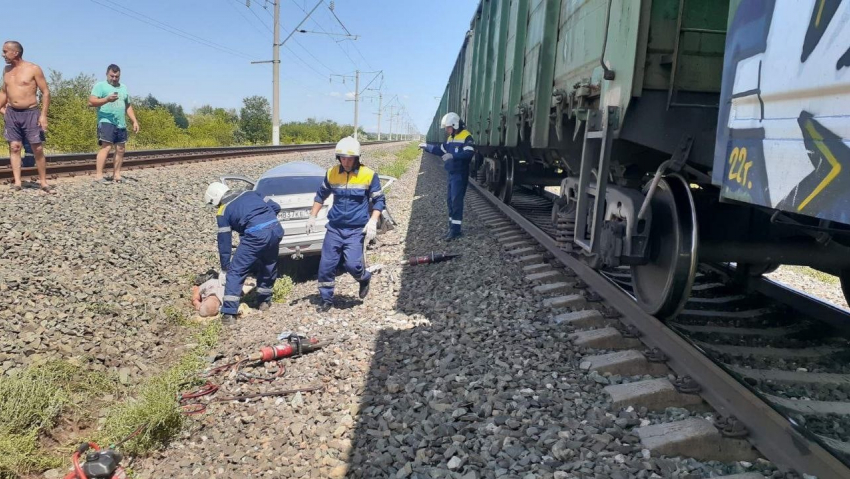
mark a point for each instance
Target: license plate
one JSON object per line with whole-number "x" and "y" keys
{"x": 294, "y": 214}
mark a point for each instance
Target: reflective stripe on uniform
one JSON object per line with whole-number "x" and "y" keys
{"x": 468, "y": 148}
{"x": 377, "y": 194}
{"x": 327, "y": 284}
{"x": 224, "y": 229}
{"x": 455, "y": 222}
{"x": 443, "y": 148}
{"x": 348, "y": 186}
{"x": 230, "y": 298}
{"x": 264, "y": 290}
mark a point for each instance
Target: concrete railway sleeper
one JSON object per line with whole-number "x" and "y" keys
{"x": 620, "y": 339}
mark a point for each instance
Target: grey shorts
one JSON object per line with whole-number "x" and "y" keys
{"x": 22, "y": 125}
{"x": 109, "y": 133}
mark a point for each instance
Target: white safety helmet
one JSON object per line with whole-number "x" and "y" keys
{"x": 215, "y": 192}
{"x": 348, "y": 146}
{"x": 450, "y": 119}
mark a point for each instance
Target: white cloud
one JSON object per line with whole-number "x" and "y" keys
{"x": 334, "y": 93}
{"x": 349, "y": 95}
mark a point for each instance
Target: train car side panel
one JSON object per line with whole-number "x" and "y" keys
{"x": 545, "y": 73}
{"x": 782, "y": 134}
{"x": 495, "y": 124}
{"x": 513, "y": 120}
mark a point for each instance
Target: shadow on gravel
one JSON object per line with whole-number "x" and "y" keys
{"x": 427, "y": 399}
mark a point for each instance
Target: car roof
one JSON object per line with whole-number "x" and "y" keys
{"x": 295, "y": 168}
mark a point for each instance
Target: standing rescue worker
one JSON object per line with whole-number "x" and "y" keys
{"x": 456, "y": 153}
{"x": 354, "y": 187}
{"x": 260, "y": 232}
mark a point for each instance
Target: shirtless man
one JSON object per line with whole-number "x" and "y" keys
{"x": 19, "y": 105}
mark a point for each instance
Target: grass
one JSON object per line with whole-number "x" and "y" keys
{"x": 813, "y": 273}
{"x": 403, "y": 160}
{"x": 176, "y": 316}
{"x": 30, "y": 404}
{"x": 155, "y": 408}
{"x": 281, "y": 289}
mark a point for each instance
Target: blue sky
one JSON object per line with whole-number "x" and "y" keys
{"x": 414, "y": 42}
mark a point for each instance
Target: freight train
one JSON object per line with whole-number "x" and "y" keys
{"x": 678, "y": 131}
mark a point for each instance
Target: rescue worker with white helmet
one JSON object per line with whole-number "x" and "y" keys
{"x": 255, "y": 219}
{"x": 354, "y": 187}
{"x": 456, "y": 152}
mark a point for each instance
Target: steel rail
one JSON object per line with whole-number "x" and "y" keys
{"x": 771, "y": 433}
{"x": 85, "y": 162}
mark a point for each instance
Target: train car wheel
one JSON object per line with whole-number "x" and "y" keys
{"x": 663, "y": 285}
{"x": 506, "y": 188}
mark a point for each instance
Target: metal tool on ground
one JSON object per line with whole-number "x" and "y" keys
{"x": 429, "y": 258}
{"x": 99, "y": 464}
{"x": 296, "y": 345}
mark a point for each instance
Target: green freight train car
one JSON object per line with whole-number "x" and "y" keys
{"x": 678, "y": 131}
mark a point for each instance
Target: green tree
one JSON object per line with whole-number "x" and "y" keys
{"x": 73, "y": 124}
{"x": 212, "y": 129}
{"x": 179, "y": 116}
{"x": 255, "y": 119}
{"x": 158, "y": 130}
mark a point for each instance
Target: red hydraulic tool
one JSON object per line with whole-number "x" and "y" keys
{"x": 296, "y": 346}
{"x": 99, "y": 464}
{"x": 429, "y": 258}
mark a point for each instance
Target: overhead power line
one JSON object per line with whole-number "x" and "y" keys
{"x": 170, "y": 29}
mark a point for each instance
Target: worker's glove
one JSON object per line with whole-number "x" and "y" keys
{"x": 311, "y": 224}
{"x": 371, "y": 230}
{"x": 423, "y": 145}
{"x": 447, "y": 157}
{"x": 222, "y": 277}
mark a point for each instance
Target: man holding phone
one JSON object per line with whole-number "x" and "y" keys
{"x": 112, "y": 101}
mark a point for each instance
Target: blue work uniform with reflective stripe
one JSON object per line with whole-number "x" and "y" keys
{"x": 462, "y": 149}
{"x": 260, "y": 233}
{"x": 353, "y": 192}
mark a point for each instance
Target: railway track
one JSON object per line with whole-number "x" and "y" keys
{"x": 766, "y": 358}
{"x": 84, "y": 163}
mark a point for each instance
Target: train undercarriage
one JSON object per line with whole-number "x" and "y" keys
{"x": 660, "y": 216}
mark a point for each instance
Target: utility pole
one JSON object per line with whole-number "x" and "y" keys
{"x": 275, "y": 76}
{"x": 380, "y": 102}
{"x": 276, "y": 65}
{"x": 356, "y": 100}
{"x": 391, "y": 122}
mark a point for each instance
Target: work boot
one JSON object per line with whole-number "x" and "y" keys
{"x": 324, "y": 307}
{"x": 454, "y": 234}
{"x": 228, "y": 319}
{"x": 265, "y": 305}
{"x": 364, "y": 288}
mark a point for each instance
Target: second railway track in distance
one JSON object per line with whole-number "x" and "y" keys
{"x": 772, "y": 359}
{"x": 84, "y": 163}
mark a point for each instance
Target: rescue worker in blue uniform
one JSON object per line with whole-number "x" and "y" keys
{"x": 354, "y": 187}
{"x": 457, "y": 153}
{"x": 255, "y": 219}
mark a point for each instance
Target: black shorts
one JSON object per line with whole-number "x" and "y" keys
{"x": 109, "y": 133}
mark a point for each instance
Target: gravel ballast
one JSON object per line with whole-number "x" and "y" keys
{"x": 92, "y": 274}
{"x": 448, "y": 370}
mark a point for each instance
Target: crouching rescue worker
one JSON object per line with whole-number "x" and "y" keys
{"x": 354, "y": 187}
{"x": 260, "y": 233}
{"x": 456, "y": 152}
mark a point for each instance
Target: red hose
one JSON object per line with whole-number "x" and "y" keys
{"x": 78, "y": 473}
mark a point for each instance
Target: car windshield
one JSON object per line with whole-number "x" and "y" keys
{"x": 289, "y": 185}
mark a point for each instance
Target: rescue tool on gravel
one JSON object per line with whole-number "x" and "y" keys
{"x": 429, "y": 258}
